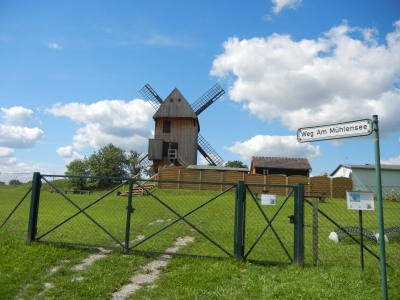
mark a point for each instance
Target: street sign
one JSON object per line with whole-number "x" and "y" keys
{"x": 335, "y": 131}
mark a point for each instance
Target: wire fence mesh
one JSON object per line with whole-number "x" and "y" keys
{"x": 269, "y": 228}
{"x": 332, "y": 232}
{"x": 203, "y": 211}
{"x": 15, "y": 202}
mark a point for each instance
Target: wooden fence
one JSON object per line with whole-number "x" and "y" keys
{"x": 331, "y": 187}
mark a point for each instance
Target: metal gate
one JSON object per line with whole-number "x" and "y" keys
{"x": 220, "y": 220}
{"x": 273, "y": 230}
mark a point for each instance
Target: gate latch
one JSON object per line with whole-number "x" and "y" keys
{"x": 291, "y": 219}
{"x": 132, "y": 210}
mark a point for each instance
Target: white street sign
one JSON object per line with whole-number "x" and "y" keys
{"x": 335, "y": 131}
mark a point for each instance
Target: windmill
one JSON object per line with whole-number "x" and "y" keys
{"x": 177, "y": 135}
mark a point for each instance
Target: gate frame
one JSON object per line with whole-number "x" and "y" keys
{"x": 240, "y": 222}
{"x": 239, "y": 215}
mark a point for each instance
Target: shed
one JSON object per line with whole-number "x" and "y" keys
{"x": 364, "y": 177}
{"x": 280, "y": 165}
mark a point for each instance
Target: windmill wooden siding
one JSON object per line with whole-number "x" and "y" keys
{"x": 176, "y": 127}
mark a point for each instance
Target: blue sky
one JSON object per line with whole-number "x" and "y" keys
{"x": 71, "y": 71}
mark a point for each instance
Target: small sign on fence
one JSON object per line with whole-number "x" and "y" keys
{"x": 268, "y": 199}
{"x": 358, "y": 200}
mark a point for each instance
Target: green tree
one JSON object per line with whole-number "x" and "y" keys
{"x": 14, "y": 182}
{"x": 108, "y": 161}
{"x": 78, "y": 167}
{"x": 324, "y": 175}
{"x": 132, "y": 163}
{"x": 236, "y": 164}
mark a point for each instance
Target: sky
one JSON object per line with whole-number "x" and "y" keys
{"x": 71, "y": 72}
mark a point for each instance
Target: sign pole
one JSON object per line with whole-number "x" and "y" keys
{"x": 380, "y": 208}
{"x": 361, "y": 240}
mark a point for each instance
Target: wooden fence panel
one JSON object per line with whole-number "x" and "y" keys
{"x": 210, "y": 176}
{"x": 340, "y": 185}
{"x": 333, "y": 188}
{"x": 255, "y": 179}
{"x": 320, "y": 185}
{"x": 276, "y": 180}
{"x": 189, "y": 175}
{"x": 231, "y": 177}
{"x": 166, "y": 173}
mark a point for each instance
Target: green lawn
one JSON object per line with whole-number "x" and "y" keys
{"x": 26, "y": 269}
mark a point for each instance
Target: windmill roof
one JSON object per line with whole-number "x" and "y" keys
{"x": 175, "y": 105}
{"x": 281, "y": 163}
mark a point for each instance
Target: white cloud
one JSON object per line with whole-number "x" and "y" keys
{"x": 124, "y": 124}
{"x": 5, "y": 152}
{"x": 54, "y": 46}
{"x": 281, "y": 4}
{"x": 331, "y": 79}
{"x": 19, "y": 137}
{"x": 391, "y": 161}
{"x": 273, "y": 146}
{"x": 17, "y": 115}
{"x": 68, "y": 154}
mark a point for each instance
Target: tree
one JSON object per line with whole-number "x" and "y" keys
{"x": 108, "y": 161}
{"x": 132, "y": 163}
{"x": 78, "y": 167}
{"x": 236, "y": 164}
{"x": 14, "y": 182}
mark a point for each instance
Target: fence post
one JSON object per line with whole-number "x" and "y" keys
{"x": 240, "y": 209}
{"x": 34, "y": 209}
{"x": 129, "y": 211}
{"x": 299, "y": 225}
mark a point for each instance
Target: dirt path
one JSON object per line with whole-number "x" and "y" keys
{"x": 150, "y": 272}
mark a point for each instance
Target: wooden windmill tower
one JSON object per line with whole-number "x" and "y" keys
{"x": 177, "y": 130}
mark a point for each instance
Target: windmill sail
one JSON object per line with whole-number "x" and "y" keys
{"x": 207, "y": 99}
{"x": 143, "y": 161}
{"x": 150, "y": 95}
{"x": 208, "y": 152}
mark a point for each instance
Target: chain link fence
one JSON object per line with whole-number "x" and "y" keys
{"x": 332, "y": 231}
{"x": 15, "y": 199}
{"x": 205, "y": 212}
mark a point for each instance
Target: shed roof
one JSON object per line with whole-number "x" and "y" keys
{"x": 280, "y": 163}
{"x": 175, "y": 105}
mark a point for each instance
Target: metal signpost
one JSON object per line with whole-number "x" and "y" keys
{"x": 347, "y": 130}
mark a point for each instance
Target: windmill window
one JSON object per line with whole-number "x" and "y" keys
{"x": 166, "y": 126}
{"x": 171, "y": 99}
{"x": 179, "y": 99}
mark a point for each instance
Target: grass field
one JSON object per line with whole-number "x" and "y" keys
{"x": 47, "y": 271}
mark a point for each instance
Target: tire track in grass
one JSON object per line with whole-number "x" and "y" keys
{"x": 150, "y": 272}
{"x": 103, "y": 254}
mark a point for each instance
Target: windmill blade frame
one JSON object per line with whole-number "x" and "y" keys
{"x": 207, "y": 99}
{"x": 208, "y": 152}
{"x": 150, "y": 95}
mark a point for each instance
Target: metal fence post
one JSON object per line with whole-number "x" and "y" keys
{"x": 240, "y": 220}
{"x": 299, "y": 225}
{"x": 34, "y": 209}
{"x": 129, "y": 211}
